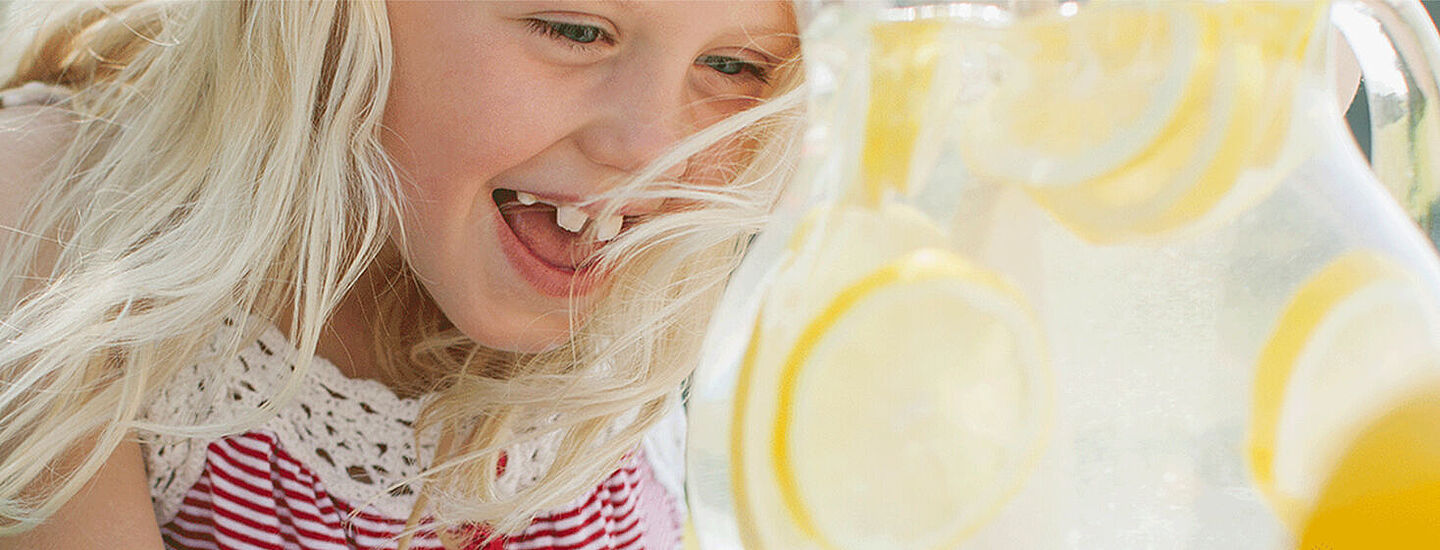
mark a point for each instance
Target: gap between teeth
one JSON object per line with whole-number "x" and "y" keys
{"x": 571, "y": 218}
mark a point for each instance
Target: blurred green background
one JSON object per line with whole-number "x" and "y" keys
{"x": 1359, "y": 113}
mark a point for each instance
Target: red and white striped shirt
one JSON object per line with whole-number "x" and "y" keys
{"x": 313, "y": 476}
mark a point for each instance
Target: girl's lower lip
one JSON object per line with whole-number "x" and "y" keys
{"x": 550, "y": 280}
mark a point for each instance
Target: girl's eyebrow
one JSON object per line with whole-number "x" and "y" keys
{"x": 628, "y": 5}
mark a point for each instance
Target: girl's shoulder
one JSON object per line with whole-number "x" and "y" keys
{"x": 34, "y": 131}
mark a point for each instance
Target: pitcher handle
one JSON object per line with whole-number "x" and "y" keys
{"x": 1399, "y": 53}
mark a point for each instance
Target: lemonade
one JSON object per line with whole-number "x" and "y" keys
{"x": 1094, "y": 275}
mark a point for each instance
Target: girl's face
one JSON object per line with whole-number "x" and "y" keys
{"x": 495, "y": 104}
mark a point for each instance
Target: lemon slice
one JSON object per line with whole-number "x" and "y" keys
{"x": 1357, "y": 334}
{"x": 1134, "y": 119}
{"x": 1385, "y": 492}
{"x": 902, "y": 66}
{"x": 833, "y": 248}
{"x": 1086, "y": 94}
{"x": 910, "y": 408}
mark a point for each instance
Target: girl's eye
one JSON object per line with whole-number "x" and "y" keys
{"x": 732, "y": 66}
{"x": 573, "y": 32}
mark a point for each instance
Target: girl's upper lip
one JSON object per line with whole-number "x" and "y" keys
{"x": 594, "y": 207}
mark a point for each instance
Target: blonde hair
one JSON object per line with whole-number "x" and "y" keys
{"x": 219, "y": 168}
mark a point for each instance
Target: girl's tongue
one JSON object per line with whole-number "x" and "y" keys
{"x": 535, "y": 227}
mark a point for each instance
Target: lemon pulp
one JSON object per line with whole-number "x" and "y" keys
{"x": 1385, "y": 491}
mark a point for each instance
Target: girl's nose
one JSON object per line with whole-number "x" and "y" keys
{"x": 638, "y": 117}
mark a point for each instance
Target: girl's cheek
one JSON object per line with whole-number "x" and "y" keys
{"x": 719, "y": 164}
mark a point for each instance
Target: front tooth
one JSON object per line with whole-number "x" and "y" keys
{"x": 526, "y": 198}
{"x": 608, "y": 227}
{"x": 570, "y": 218}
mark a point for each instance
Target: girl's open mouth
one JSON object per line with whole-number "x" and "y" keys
{"x": 562, "y": 240}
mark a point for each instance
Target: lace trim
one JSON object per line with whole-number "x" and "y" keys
{"x": 355, "y": 434}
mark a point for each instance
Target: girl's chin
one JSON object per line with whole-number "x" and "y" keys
{"x": 525, "y": 333}
{"x": 509, "y": 315}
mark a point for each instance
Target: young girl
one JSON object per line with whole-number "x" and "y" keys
{"x": 364, "y": 275}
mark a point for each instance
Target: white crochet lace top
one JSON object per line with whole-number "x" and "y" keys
{"x": 355, "y": 434}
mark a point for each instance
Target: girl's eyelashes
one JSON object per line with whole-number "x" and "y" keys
{"x": 576, "y": 34}
{"x": 586, "y": 37}
{"x": 733, "y": 66}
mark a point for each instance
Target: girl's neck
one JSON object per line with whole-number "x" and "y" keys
{"x": 348, "y": 338}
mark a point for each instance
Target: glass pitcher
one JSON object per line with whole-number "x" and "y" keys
{"x": 1090, "y": 275}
